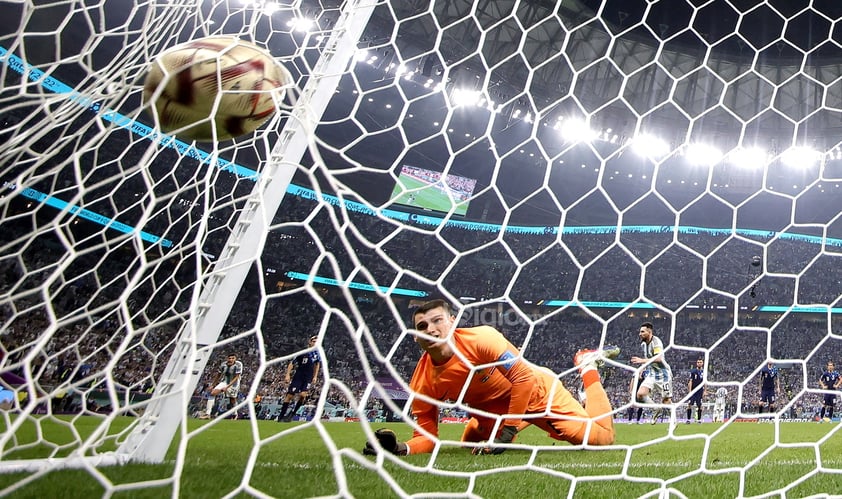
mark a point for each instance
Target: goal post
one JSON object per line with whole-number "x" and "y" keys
{"x": 564, "y": 171}
{"x": 152, "y": 435}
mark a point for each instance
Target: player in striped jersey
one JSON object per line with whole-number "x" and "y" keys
{"x": 659, "y": 376}
{"x": 720, "y": 398}
{"x": 636, "y": 411}
{"x": 226, "y": 381}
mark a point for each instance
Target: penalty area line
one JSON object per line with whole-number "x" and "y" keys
{"x": 483, "y": 465}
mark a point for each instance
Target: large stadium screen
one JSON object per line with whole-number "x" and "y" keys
{"x": 427, "y": 189}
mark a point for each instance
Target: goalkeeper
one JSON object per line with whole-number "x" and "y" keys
{"x": 503, "y": 384}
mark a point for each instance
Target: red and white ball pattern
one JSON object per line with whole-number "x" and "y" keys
{"x": 218, "y": 80}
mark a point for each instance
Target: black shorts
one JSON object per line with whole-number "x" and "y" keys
{"x": 297, "y": 387}
{"x": 696, "y": 399}
{"x": 829, "y": 399}
{"x": 767, "y": 396}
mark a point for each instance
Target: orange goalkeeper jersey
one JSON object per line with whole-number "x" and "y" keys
{"x": 498, "y": 381}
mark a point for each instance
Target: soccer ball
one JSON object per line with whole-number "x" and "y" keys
{"x": 214, "y": 88}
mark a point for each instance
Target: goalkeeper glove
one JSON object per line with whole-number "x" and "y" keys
{"x": 506, "y": 435}
{"x": 389, "y": 441}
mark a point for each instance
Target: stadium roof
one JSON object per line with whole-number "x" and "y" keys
{"x": 728, "y": 73}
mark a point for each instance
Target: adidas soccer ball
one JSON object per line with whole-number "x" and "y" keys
{"x": 214, "y": 88}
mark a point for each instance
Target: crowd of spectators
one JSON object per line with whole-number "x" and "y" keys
{"x": 733, "y": 355}
{"x": 94, "y": 321}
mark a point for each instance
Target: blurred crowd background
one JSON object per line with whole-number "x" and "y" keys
{"x": 700, "y": 289}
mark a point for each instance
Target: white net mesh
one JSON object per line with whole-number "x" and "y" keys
{"x": 565, "y": 170}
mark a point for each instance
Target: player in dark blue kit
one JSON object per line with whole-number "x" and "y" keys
{"x": 696, "y": 390}
{"x": 770, "y": 385}
{"x": 306, "y": 368}
{"x": 829, "y": 380}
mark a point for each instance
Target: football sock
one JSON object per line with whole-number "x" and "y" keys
{"x": 209, "y": 406}
{"x": 589, "y": 377}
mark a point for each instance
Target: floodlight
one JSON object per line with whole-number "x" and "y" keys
{"x": 748, "y": 157}
{"x": 649, "y": 146}
{"x": 465, "y": 97}
{"x": 703, "y": 154}
{"x": 576, "y": 130}
{"x": 800, "y": 156}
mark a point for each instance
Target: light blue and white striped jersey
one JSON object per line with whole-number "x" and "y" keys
{"x": 229, "y": 372}
{"x": 659, "y": 370}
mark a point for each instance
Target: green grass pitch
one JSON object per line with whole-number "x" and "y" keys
{"x": 306, "y": 460}
{"x": 428, "y": 197}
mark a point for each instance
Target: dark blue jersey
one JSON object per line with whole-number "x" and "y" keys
{"x": 696, "y": 377}
{"x": 304, "y": 365}
{"x": 768, "y": 378}
{"x": 830, "y": 378}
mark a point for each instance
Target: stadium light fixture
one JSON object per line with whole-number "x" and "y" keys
{"x": 300, "y": 24}
{"x": 748, "y": 157}
{"x": 465, "y": 97}
{"x": 576, "y": 130}
{"x": 270, "y": 8}
{"x": 649, "y": 146}
{"x": 800, "y": 156}
{"x": 702, "y": 154}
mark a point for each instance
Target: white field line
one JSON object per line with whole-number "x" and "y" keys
{"x": 827, "y": 463}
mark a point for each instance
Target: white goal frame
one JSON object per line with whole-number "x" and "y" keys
{"x": 151, "y": 436}
{"x": 579, "y": 171}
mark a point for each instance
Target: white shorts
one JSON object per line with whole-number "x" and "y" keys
{"x": 664, "y": 388}
{"x": 231, "y": 392}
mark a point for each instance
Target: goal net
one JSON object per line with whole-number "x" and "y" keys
{"x": 563, "y": 171}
